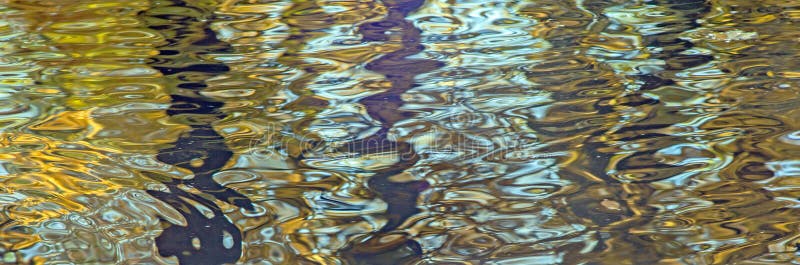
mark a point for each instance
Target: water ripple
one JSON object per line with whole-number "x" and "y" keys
{"x": 421, "y": 132}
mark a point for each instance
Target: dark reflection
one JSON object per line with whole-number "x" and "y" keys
{"x": 386, "y": 108}
{"x": 201, "y": 150}
{"x": 502, "y": 132}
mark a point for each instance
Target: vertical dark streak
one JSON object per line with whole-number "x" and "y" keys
{"x": 385, "y": 107}
{"x": 201, "y": 150}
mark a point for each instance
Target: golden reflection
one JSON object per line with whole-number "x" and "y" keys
{"x": 556, "y": 132}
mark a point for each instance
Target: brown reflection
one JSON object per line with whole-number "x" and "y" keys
{"x": 399, "y": 132}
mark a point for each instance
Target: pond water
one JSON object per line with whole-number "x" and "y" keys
{"x": 399, "y": 132}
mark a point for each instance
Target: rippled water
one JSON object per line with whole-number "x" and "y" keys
{"x": 399, "y": 132}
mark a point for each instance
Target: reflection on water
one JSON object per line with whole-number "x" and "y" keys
{"x": 399, "y": 132}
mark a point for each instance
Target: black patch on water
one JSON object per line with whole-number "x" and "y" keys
{"x": 201, "y": 150}
{"x": 650, "y": 81}
{"x": 192, "y": 85}
{"x": 163, "y": 27}
{"x": 210, "y": 232}
{"x": 203, "y": 68}
{"x": 168, "y": 52}
{"x": 643, "y": 127}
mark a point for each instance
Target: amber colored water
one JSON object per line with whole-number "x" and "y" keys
{"x": 399, "y": 132}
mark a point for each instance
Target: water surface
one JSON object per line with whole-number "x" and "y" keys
{"x": 399, "y": 132}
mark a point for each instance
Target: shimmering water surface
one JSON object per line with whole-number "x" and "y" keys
{"x": 399, "y": 132}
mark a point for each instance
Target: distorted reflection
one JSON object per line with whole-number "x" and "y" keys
{"x": 399, "y": 132}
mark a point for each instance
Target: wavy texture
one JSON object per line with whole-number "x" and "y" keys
{"x": 416, "y": 132}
